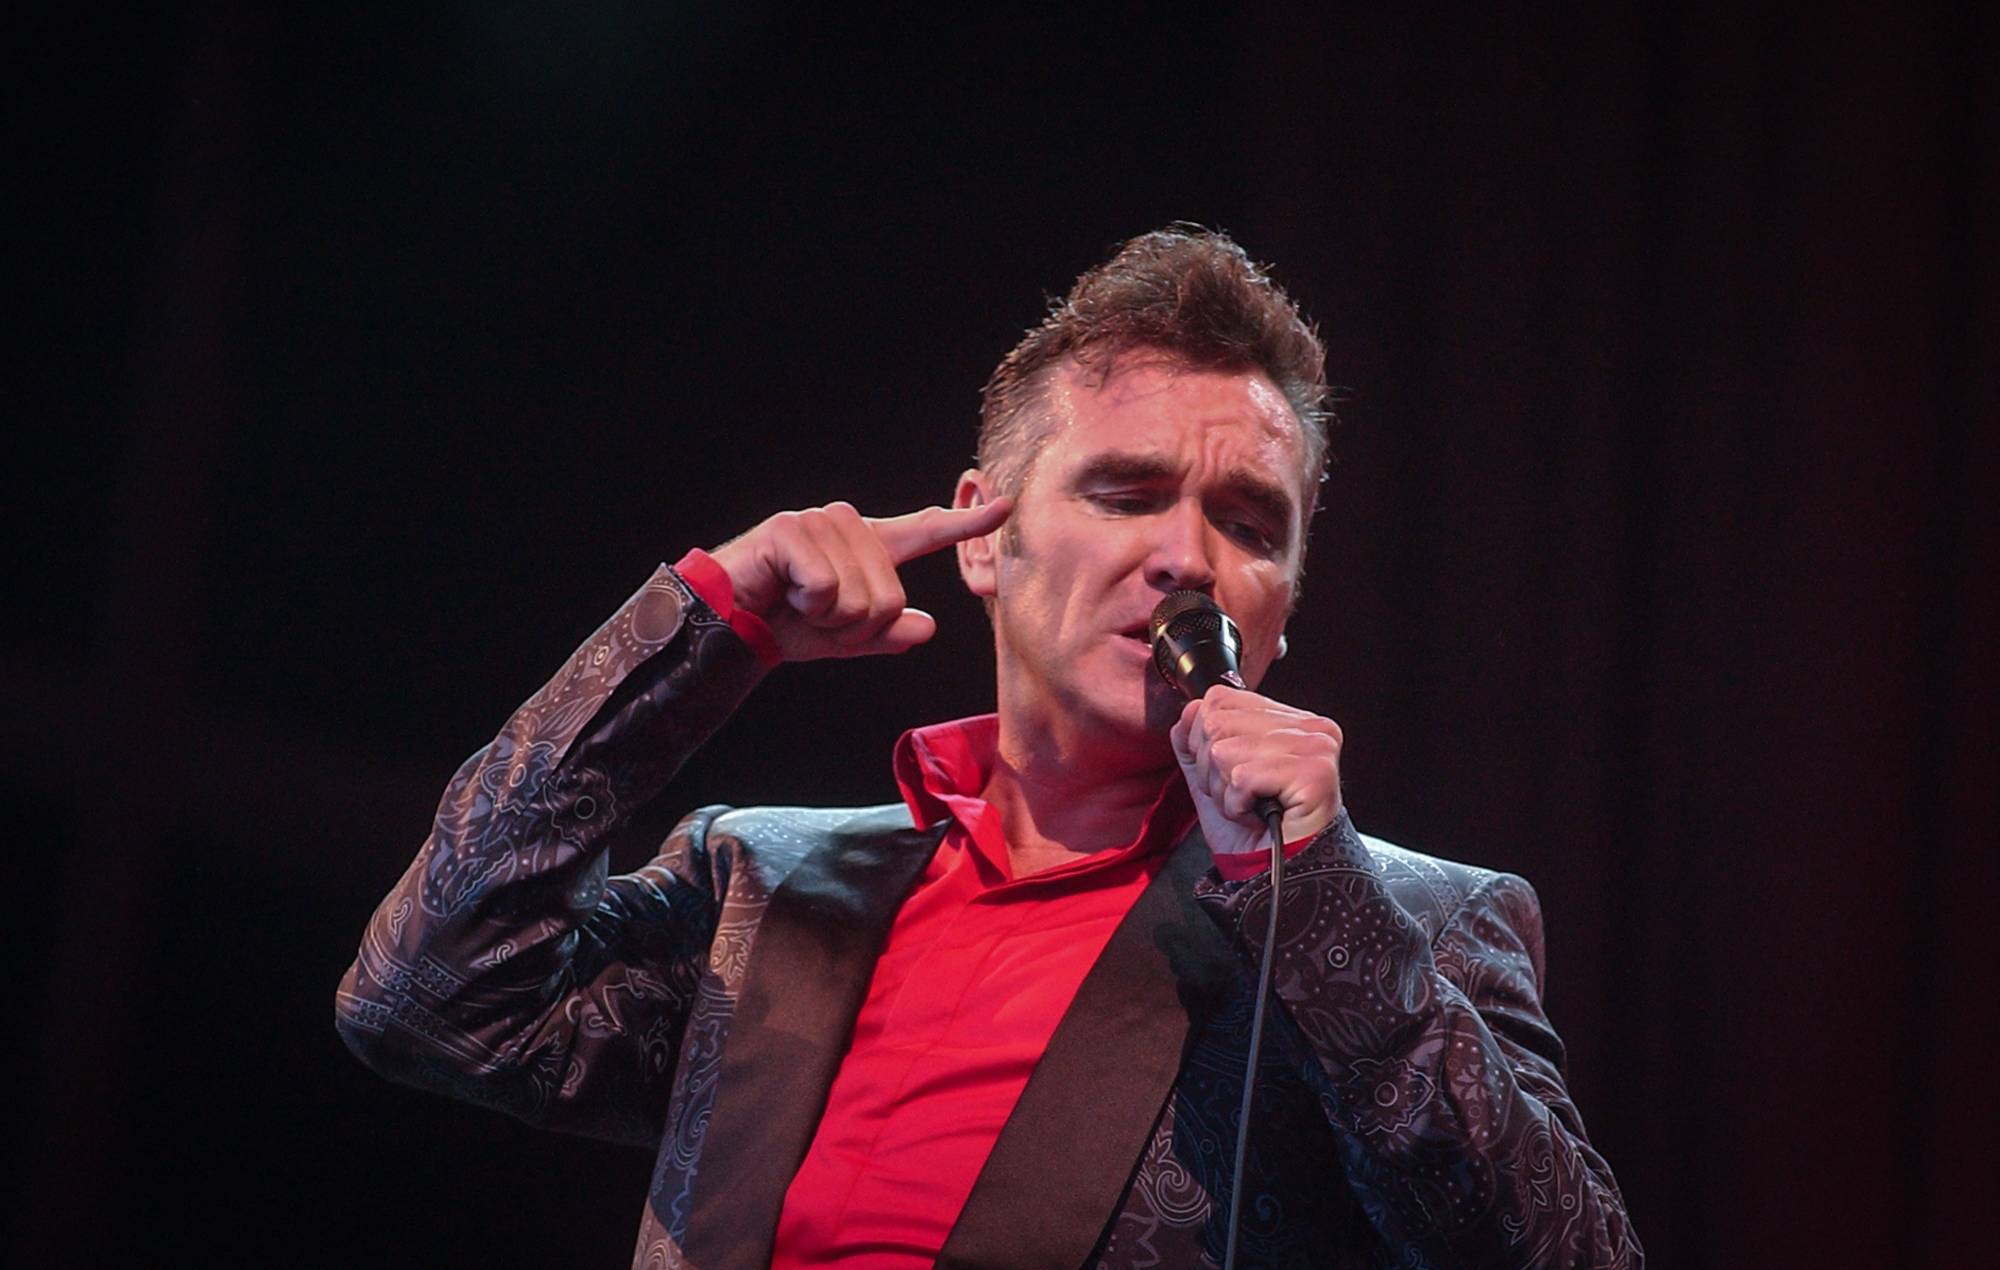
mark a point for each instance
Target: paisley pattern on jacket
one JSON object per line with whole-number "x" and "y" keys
{"x": 1410, "y": 1108}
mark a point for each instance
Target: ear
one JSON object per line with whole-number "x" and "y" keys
{"x": 976, "y": 555}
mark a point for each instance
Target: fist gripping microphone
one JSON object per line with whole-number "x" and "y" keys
{"x": 1195, "y": 647}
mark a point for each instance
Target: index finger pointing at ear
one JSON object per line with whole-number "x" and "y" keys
{"x": 919, "y": 533}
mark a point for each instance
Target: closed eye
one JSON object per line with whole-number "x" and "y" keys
{"x": 1250, "y": 534}
{"x": 1126, "y": 503}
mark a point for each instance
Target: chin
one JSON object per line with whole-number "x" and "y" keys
{"x": 1145, "y": 727}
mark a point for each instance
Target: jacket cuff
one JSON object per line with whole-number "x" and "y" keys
{"x": 710, "y": 584}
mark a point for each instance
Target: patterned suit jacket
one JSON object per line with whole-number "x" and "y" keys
{"x": 1410, "y": 1108}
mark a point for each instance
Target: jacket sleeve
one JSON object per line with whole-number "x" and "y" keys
{"x": 1443, "y": 1076}
{"x": 507, "y": 968}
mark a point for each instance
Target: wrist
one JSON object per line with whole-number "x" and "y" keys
{"x": 712, "y": 585}
{"x": 1235, "y": 866}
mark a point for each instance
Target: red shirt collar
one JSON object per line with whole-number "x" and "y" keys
{"x": 942, "y": 769}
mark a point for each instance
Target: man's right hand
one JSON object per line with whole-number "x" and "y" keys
{"x": 824, "y": 579}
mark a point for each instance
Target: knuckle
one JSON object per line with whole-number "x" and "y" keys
{"x": 814, "y": 577}
{"x": 1220, "y": 723}
{"x": 815, "y": 590}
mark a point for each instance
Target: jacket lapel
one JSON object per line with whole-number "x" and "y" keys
{"x": 1064, "y": 1157}
{"x": 809, "y": 970}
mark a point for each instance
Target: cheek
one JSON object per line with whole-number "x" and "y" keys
{"x": 1032, "y": 591}
{"x": 1262, "y": 618}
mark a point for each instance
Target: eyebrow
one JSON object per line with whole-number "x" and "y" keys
{"x": 1261, "y": 494}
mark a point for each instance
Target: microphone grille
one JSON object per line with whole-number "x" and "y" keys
{"x": 1187, "y": 611}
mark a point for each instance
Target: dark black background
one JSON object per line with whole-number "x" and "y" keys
{"x": 368, "y": 360}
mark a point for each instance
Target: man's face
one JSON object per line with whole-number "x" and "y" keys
{"x": 1155, "y": 479}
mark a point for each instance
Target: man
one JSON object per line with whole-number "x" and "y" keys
{"x": 1005, "y": 1022}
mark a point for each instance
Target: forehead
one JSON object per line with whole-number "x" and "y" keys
{"x": 1237, "y": 419}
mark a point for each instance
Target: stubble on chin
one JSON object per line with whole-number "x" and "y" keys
{"x": 1163, "y": 704}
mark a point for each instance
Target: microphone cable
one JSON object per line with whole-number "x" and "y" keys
{"x": 1273, "y": 816}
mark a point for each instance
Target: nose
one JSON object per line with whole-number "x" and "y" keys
{"x": 1180, "y": 559}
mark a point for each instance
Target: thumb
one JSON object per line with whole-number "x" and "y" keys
{"x": 1183, "y": 735}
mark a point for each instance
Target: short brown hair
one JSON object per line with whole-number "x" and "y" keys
{"x": 1186, "y": 291}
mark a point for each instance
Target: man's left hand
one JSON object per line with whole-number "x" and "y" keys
{"x": 1235, "y": 747}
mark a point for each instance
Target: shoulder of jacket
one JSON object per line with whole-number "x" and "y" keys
{"x": 885, "y": 816}
{"x": 782, "y": 829}
{"x": 769, "y": 842}
{"x": 1430, "y": 888}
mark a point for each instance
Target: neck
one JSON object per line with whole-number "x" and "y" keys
{"x": 1058, "y": 802}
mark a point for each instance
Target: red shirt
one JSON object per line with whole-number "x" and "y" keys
{"x": 978, "y": 969}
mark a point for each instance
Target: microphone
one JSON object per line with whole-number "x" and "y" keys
{"x": 1195, "y": 644}
{"x": 1195, "y": 647}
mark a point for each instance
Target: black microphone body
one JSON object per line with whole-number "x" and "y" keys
{"x": 1197, "y": 646}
